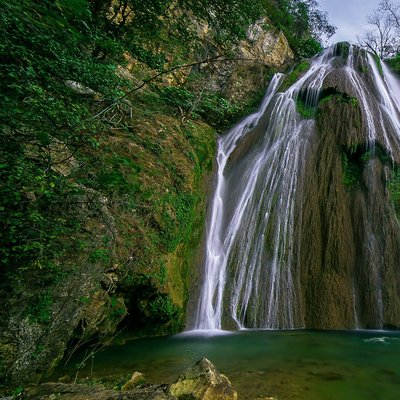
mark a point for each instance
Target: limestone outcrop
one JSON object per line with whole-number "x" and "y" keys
{"x": 203, "y": 382}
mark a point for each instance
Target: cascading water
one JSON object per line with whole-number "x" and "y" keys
{"x": 273, "y": 244}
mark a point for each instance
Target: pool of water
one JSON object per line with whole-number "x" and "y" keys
{"x": 309, "y": 365}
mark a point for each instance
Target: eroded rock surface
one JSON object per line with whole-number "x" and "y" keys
{"x": 203, "y": 382}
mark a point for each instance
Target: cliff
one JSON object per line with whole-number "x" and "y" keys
{"x": 104, "y": 201}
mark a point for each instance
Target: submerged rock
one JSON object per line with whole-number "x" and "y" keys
{"x": 203, "y": 382}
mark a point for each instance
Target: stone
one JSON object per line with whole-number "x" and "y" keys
{"x": 203, "y": 382}
{"x": 79, "y": 88}
{"x": 136, "y": 380}
{"x": 266, "y": 45}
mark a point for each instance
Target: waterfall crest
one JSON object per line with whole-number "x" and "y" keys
{"x": 302, "y": 230}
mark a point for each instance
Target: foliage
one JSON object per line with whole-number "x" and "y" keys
{"x": 304, "y": 25}
{"x": 69, "y": 170}
{"x": 211, "y": 106}
{"x": 39, "y": 309}
{"x": 50, "y": 45}
{"x": 33, "y": 213}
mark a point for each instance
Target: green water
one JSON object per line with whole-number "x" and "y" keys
{"x": 309, "y": 365}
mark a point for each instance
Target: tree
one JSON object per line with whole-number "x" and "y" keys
{"x": 303, "y": 23}
{"x": 383, "y": 37}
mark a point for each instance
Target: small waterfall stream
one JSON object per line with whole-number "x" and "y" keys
{"x": 255, "y": 275}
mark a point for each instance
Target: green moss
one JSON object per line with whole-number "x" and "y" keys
{"x": 306, "y": 111}
{"x": 363, "y": 69}
{"x": 339, "y": 97}
{"x": 342, "y": 49}
{"x": 356, "y": 156}
{"x": 326, "y": 99}
{"x": 378, "y": 63}
{"x": 351, "y": 171}
{"x": 294, "y": 76}
{"x": 394, "y": 189}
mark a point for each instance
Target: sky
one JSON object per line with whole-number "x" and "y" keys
{"x": 349, "y": 17}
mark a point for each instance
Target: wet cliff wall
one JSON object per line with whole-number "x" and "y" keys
{"x": 350, "y": 232}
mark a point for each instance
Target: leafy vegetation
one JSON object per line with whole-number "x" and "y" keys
{"x": 99, "y": 179}
{"x": 304, "y": 25}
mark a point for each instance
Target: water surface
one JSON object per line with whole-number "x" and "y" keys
{"x": 309, "y": 365}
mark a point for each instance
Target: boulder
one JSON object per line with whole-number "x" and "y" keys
{"x": 136, "y": 380}
{"x": 203, "y": 382}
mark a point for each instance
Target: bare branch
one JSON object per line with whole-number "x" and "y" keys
{"x": 382, "y": 38}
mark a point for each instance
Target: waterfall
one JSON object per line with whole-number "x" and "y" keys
{"x": 257, "y": 271}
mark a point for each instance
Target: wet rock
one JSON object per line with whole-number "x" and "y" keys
{"x": 203, "y": 382}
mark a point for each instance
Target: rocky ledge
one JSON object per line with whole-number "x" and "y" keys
{"x": 200, "y": 382}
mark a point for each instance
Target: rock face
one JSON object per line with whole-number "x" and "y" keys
{"x": 350, "y": 235}
{"x": 268, "y": 46}
{"x": 265, "y": 49}
{"x": 248, "y": 71}
{"x": 203, "y": 382}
